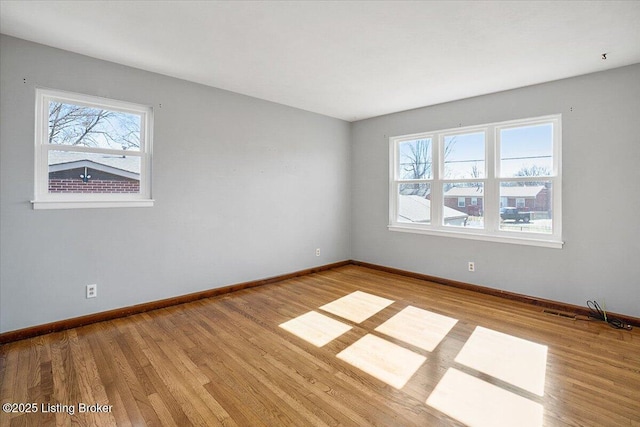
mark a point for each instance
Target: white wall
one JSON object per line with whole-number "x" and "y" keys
{"x": 601, "y": 194}
{"x": 244, "y": 188}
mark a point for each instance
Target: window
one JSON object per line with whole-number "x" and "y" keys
{"x": 91, "y": 152}
{"x": 497, "y": 182}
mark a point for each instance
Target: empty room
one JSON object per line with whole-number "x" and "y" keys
{"x": 320, "y": 213}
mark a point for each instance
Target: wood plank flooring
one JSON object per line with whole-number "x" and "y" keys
{"x": 226, "y": 361}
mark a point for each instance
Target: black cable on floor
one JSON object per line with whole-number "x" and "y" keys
{"x": 596, "y": 312}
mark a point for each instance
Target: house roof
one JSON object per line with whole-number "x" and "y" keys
{"x": 416, "y": 208}
{"x": 465, "y": 192}
{"x": 528, "y": 191}
{"x": 128, "y": 166}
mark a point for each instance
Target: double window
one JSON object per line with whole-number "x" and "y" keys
{"x": 91, "y": 152}
{"x": 497, "y": 182}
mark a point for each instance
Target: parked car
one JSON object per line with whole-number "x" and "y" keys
{"x": 510, "y": 213}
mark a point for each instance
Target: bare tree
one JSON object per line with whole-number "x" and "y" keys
{"x": 92, "y": 127}
{"x": 476, "y": 172}
{"x": 533, "y": 170}
{"x": 417, "y": 164}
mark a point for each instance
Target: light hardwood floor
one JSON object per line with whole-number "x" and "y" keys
{"x": 227, "y": 361}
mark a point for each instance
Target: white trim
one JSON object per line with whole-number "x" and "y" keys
{"x": 491, "y": 183}
{"x": 70, "y": 204}
{"x": 456, "y": 233}
{"x": 45, "y": 200}
{"x": 93, "y": 101}
{"x": 83, "y": 149}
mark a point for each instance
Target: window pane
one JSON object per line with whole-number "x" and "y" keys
{"x": 414, "y": 204}
{"x": 459, "y": 209}
{"x": 526, "y": 207}
{"x": 526, "y": 151}
{"x": 75, "y": 172}
{"x": 464, "y": 156}
{"x": 415, "y": 159}
{"x": 79, "y": 125}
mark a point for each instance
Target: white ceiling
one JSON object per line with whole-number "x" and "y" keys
{"x": 346, "y": 59}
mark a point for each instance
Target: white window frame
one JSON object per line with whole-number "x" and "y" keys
{"x": 43, "y": 199}
{"x": 462, "y": 202}
{"x": 491, "y": 182}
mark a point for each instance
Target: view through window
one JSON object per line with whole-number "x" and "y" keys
{"x": 90, "y": 149}
{"x": 498, "y": 181}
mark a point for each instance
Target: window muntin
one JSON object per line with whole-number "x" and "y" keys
{"x": 91, "y": 152}
{"x": 494, "y": 160}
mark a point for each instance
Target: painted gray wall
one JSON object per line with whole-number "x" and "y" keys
{"x": 245, "y": 189}
{"x": 601, "y": 194}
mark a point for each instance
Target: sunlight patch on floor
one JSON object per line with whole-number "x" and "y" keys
{"x": 477, "y": 403}
{"x": 466, "y": 398}
{"x": 421, "y": 328}
{"x": 315, "y": 328}
{"x": 357, "y": 306}
{"x": 514, "y": 360}
{"x": 385, "y": 361}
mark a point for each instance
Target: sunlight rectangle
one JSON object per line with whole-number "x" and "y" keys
{"x": 477, "y": 403}
{"x": 385, "y": 361}
{"x": 357, "y": 306}
{"x": 315, "y": 328}
{"x": 421, "y": 328}
{"x": 514, "y": 360}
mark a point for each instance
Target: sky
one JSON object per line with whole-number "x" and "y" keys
{"x": 519, "y": 147}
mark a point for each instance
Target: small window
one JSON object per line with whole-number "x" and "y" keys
{"x": 91, "y": 152}
{"x": 461, "y": 202}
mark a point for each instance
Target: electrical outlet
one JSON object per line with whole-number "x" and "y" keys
{"x": 472, "y": 266}
{"x": 318, "y": 252}
{"x": 92, "y": 291}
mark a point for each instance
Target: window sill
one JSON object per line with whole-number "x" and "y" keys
{"x": 529, "y": 241}
{"x": 76, "y": 204}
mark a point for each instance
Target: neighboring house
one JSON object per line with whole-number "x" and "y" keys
{"x": 73, "y": 172}
{"x": 527, "y": 198}
{"x": 465, "y": 199}
{"x": 414, "y": 208}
